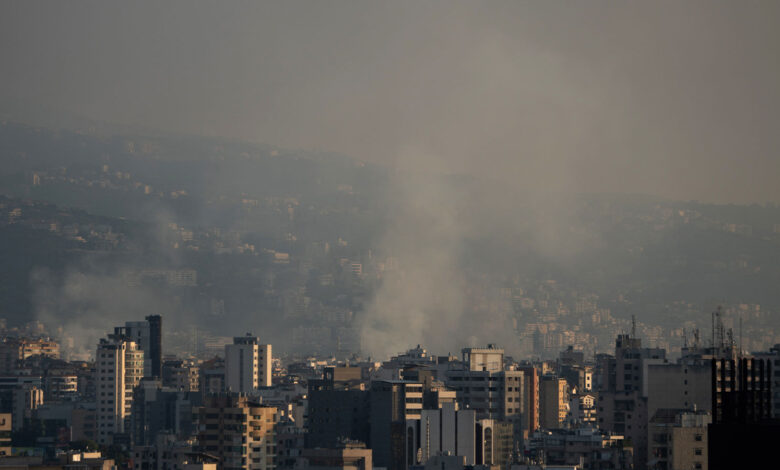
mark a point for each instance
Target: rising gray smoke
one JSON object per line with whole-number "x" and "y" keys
{"x": 422, "y": 298}
{"x": 86, "y": 304}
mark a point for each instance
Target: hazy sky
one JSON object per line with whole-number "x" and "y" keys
{"x": 674, "y": 98}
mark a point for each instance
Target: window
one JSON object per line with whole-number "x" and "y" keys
{"x": 697, "y": 451}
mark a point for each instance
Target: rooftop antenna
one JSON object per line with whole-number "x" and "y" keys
{"x": 713, "y": 331}
{"x": 730, "y": 336}
{"x": 740, "y": 334}
{"x": 633, "y": 326}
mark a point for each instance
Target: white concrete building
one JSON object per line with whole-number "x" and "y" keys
{"x": 119, "y": 367}
{"x": 247, "y": 364}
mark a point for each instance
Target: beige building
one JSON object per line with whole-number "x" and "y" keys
{"x": 60, "y": 386}
{"x": 119, "y": 367}
{"x": 238, "y": 432}
{"x": 530, "y": 399}
{"x": 5, "y": 434}
{"x": 490, "y": 359}
{"x": 678, "y": 440}
{"x": 16, "y": 349}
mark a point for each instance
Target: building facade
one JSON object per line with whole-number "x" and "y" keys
{"x": 147, "y": 335}
{"x": 554, "y": 402}
{"x": 239, "y": 432}
{"x": 119, "y": 367}
{"x": 247, "y": 364}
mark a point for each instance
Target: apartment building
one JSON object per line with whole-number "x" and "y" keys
{"x": 13, "y": 350}
{"x": 248, "y": 364}
{"x": 119, "y": 367}
{"x": 482, "y": 384}
{"x": 239, "y": 432}
{"x": 678, "y": 439}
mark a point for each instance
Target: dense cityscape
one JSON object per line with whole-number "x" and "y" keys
{"x": 135, "y": 405}
{"x": 397, "y": 235}
{"x": 298, "y": 251}
{"x": 216, "y": 341}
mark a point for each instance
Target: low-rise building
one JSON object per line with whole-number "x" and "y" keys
{"x": 349, "y": 456}
{"x": 587, "y": 446}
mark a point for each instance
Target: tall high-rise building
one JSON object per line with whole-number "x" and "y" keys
{"x": 147, "y": 335}
{"x": 247, "y": 364}
{"x": 338, "y": 409}
{"x": 154, "y": 353}
{"x": 774, "y": 357}
{"x": 622, "y": 405}
{"x": 119, "y": 367}
{"x": 742, "y": 432}
{"x": 554, "y": 401}
{"x": 391, "y": 405}
{"x": 265, "y": 365}
{"x": 239, "y": 432}
{"x": 530, "y": 405}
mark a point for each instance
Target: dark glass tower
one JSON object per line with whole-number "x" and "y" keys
{"x": 155, "y": 344}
